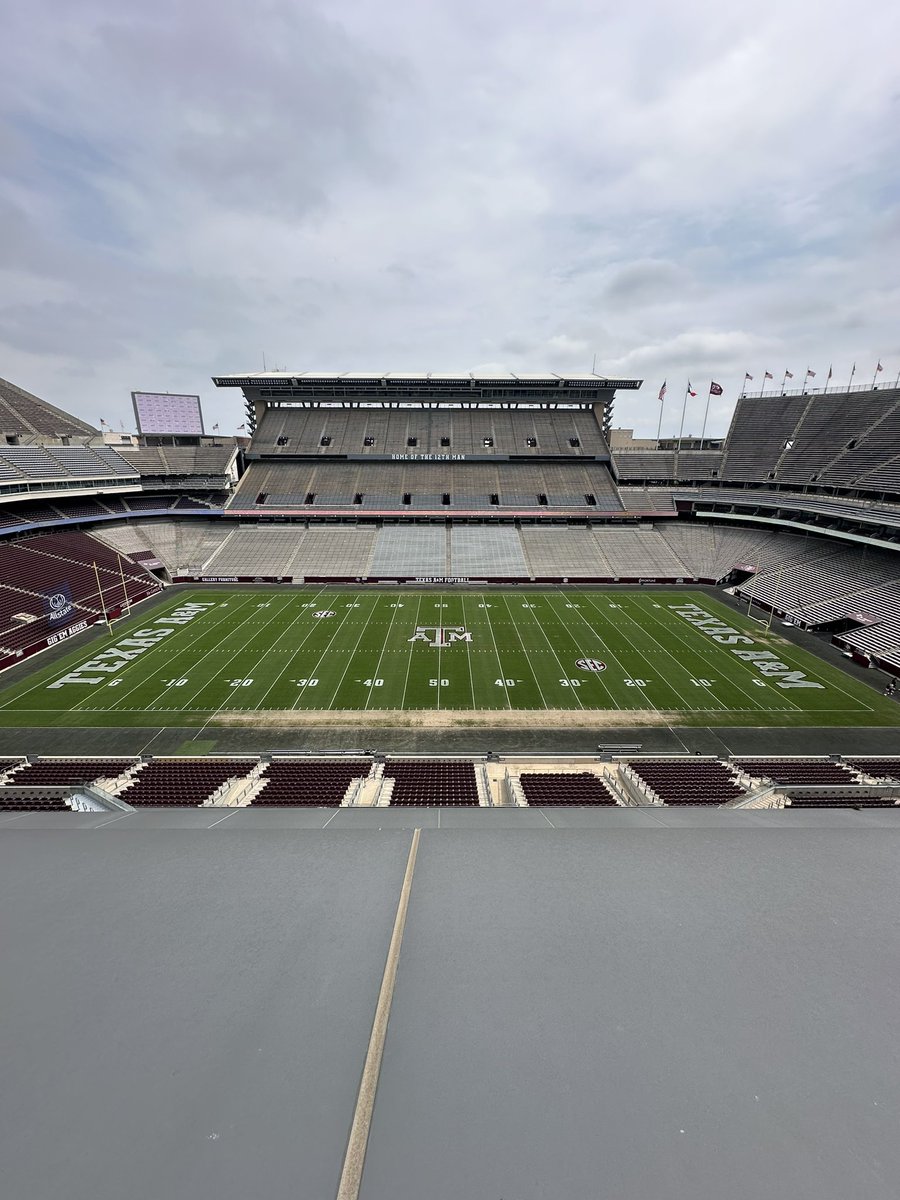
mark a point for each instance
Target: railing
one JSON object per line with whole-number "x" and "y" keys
{"x": 836, "y": 390}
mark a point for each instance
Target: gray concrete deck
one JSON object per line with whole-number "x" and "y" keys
{"x": 684, "y": 1004}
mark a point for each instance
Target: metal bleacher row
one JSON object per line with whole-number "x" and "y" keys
{"x": 49, "y": 462}
{"x": 328, "y": 431}
{"x": 360, "y": 780}
{"x": 841, "y": 439}
{"x": 383, "y": 486}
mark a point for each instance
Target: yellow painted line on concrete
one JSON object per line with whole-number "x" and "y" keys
{"x": 354, "y": 1159}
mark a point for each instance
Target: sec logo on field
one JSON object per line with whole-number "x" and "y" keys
{"x": 325, "y": 612}
{"x": 590, "y": 664}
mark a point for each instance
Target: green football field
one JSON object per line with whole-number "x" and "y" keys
{"x": 676, "y": 657}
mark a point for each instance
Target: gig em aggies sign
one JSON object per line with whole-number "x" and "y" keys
{"x": 783, "y": 675}
{"x": 108, "y": 662}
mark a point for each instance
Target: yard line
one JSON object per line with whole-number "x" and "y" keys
{"x": 487, "y": 613}
{"x": 409, "y": 655}
{"x": 383, "y": 648}
{"x": 300, "y": 611}
{"x": 167, "y": 662}
{"x": 351, "y": 656}
{"x": 315, "y": 671}
{"x": 468, "y": 650}
{"x": 687, "y": 704}
{"x": 566, "y": 675}
{"x": 440, "y": 641}
{"x": 676, "y": 630}
{"x": 215, "y": 712}
{"x": 515, "y": 625}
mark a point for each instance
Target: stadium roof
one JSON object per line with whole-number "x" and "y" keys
{"x": 548, "y": 378}
{"x": 25, "y": 415}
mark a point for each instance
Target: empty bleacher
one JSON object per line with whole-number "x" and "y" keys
{"x": 67, "y": 772}
{"x": 325, "y": 431}
{"x": 806, "y": 771}
{"x": 34, "y": 568}
{"x": 699, "y": 781}
{"x": 387, "y": 486}
{"x": 181, "y": 782}
{"x": 410, "y": 550}
{"x": 441, "y": 782}
{"x": 884, "y": 768}
{"x": 844, "y": 439}
{"x": 323, "y": 783}
{"x": 486, "y": 551}
{"x": 570, "y": 788}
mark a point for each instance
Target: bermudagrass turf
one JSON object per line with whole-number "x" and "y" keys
{"x": 205, "y": 653}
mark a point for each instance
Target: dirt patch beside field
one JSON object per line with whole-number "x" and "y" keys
{"x": 505, "y": 718}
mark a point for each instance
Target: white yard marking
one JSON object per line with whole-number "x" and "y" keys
{"x": 638, "y": 651}
{"x": 564, "y": 670}
{"x": 301, "y": 612}
{"x": 153, "y": 614}
{"x": 527, "y": 655}
{"x": 166, "y": 661}
{"x": 468, "y": 651}
{"x": 676, "y": 628}
{"x": 387, "y": 638}
{"x": 499, "y": 663}
{"x": 352, "y": 654}
{"x": 314, "y": 674}
{"x": 214, "y": 713}
{"x": 409, "y": 656}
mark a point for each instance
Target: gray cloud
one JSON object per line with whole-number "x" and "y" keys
{"x": 684, "y": 191}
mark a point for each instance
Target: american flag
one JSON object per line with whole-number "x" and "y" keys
{"x": 662, "y": 391}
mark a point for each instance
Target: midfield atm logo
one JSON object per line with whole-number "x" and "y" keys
{"x": 440, "y": 635}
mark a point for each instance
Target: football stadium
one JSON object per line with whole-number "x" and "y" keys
{"x": 602, "y": 730}
{"x": 445, "y": 564}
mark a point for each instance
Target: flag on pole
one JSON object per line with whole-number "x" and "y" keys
{"x": 828, "y": 376}
{"x": 747, "y": 375}
{"x": 241, "y": 428}
{"x": 789, "y": 374}
{"x": 715, "y": 389}
{"x": 691, "y": 391}
{"x": 215, "y": 427}
{"x": 879, "y": 367}
{"x": 662, "y": 391}
{"x": 768, "y": 375}
{"x": 810, "y": 373}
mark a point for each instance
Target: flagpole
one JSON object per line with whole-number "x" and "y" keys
{"x": 683, "y": 411}
{"x": 875, "y": 375}
{"x": 783, "y": 382}
{"x": 705, "y": 415}
{"x": 762, "y": 386}
{"x": 852, "y": 373}
{"x": 662, "y": 405}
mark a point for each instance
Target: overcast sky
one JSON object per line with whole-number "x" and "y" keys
{"x": 688, "y": 190}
